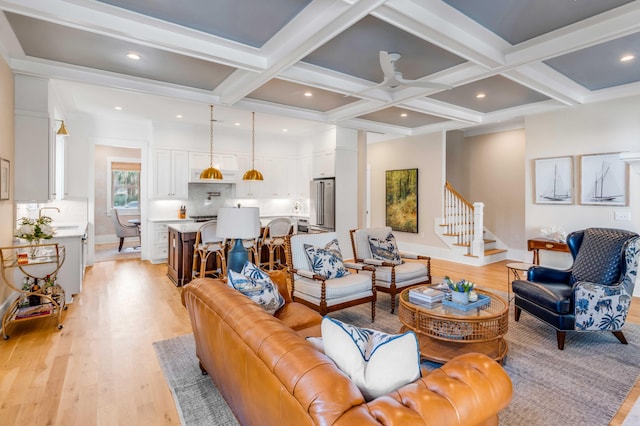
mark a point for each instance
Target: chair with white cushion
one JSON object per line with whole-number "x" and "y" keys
{"x": 377, "y": 247}
{"x": 273, "y": 238}
{"x": 123, "y": 231}
{"x": 208, "y": 243}
{"x": 319, "y": 278}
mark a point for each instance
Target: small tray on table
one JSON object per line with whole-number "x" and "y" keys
{"x": 482, "y": 302}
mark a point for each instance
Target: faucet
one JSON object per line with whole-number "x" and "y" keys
{"x": 45, "y": 208}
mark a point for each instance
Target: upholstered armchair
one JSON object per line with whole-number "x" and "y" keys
{"x": 320, "y": 279}
{"x": 377, "y": 247}
{"x": 123, "y": 230}
{"x": 594, "y": 294}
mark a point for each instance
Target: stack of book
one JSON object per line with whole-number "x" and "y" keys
{"x": 426, "y": 296}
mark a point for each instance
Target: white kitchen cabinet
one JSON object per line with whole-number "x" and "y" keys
{"x": 284, "y": 178}
{"x": 303, "y": 175}
{"x": 324, "y": 164}
{"x": 170, "y": 175}
{"x": 71, "y": 272}
{"x": 249, "y": 188}
{"x": 160, "y": 239}
{"x": 33, "y": 168}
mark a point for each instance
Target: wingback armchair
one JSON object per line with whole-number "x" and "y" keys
{"x": 594, "y": 294}
{"x": 320, "y": 279}
{"x": 377, "y": 247}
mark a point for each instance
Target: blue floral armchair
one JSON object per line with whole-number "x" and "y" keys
{"x": 594, "y": 294}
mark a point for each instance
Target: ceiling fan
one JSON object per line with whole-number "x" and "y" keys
{"x": 393, "y": 78}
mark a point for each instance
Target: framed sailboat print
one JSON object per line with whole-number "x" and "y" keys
{"x": 554, "y": 180}
{"x": 603, "y": 180}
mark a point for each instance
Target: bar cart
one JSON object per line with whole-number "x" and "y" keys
{"x": 39, "y": 294}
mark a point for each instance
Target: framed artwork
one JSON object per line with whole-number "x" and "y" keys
{"x": 401, "y": 212}
{"x": 604, "y": 180}
{"x": 554, "y": 180}
{"x": 4, "y": 179}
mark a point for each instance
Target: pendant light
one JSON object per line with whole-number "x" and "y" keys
{"x": 211, "y": 173}
{"x": 62, "y": 131}
{"x": 253, "y": 174}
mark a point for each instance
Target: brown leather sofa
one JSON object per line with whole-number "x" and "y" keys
{"x": 270, "y": 375}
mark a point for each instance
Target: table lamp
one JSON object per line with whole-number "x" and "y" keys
{"x": 239, "y": 224}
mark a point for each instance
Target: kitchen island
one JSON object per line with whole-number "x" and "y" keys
{"x": 182, "y": 238}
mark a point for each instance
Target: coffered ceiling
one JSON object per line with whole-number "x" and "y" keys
{"x": 317, "y": 61}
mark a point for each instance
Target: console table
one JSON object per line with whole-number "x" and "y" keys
{"x": 537, "y": 244}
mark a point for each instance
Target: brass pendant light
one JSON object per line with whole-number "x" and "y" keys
{"x": 62, "y": 131}
{"x": 253, "y": 174}
{"x": 211, "y": 173}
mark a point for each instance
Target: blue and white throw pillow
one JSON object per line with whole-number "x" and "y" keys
{"x": 327, "y": 261}
{"x": 256, "y": 284}
{"x": 377, "y": 362}
{"x": 385, "y": 249}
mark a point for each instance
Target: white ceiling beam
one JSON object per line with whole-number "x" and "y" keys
{"x": 99, "y": 18}
{"x": 315, "y": 25}
{"x": 54, "y": 70}
{"x": 618, "y": 22}
{"x": 442, "y": 25}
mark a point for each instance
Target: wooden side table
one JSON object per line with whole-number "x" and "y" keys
{"x": 537, "y": 244}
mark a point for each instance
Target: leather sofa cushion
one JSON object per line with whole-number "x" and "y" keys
{"x": 299, "y": 317}
{"x": 555, "y": 297}
{"x": 279, "y": 278}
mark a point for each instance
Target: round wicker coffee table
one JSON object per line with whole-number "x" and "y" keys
{"x": 445, "y": 332}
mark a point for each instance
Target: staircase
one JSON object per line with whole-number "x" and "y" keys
{"x": 463, "y": 231}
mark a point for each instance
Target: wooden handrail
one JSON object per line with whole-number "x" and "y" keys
{"x": 450, "y": 188}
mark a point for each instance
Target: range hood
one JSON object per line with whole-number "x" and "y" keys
{"x": 226, "y": 163}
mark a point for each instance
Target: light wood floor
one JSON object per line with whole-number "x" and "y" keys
{"x": 101, "y": 368}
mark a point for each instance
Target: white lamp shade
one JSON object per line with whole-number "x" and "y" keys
{"x": 243, "y": 222}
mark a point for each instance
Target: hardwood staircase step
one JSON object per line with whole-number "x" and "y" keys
{"x": 489, "y": 252}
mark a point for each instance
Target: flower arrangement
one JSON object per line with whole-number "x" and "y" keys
{"x": 34, "y": 230}
{"x": 462, "y": 286}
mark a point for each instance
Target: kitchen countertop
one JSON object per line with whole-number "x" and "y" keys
{"x": 64, "y": 229}
{"x": 186, "y": 227}
{"x": 169, "y": 219}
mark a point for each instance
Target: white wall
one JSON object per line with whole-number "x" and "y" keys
{"x": 427, "y": 154}
{"x": 588, "y": 129}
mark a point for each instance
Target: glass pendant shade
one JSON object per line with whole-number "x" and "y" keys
{"x": 211, "y": 173}
{"x": 253, "y": 174}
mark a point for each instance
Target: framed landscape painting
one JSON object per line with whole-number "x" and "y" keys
{"x": 604, "y": 180}
{"x": 402, "y": 200}
{"x": 554, "y": 180}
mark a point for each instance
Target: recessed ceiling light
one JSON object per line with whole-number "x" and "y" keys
{"x": 480, "y": 95}
{"x": 308, "y": 94}
{"x": 404, "y": 114}
{"x": 134, "y": 56}
{"x": 285, "y": 130}
{"x": 179, "y": 116}
{"x": 237, "y": 124}
{"x": 118, "y": 108}
{"x": 627, "y": 58}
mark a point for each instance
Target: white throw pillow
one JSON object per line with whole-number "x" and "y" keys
{"x": 376, "y": 362}
{"x": 327, "y": 261}
{"x": 256, "y": 284}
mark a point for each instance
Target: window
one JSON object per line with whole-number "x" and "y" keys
{"x": 125, "y": 185}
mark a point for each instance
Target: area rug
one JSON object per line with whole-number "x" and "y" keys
{"x": 584, "y": 384}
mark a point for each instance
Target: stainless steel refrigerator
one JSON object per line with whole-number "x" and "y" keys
{"x": 322, "y": 211}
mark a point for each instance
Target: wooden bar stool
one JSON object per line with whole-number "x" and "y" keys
{"x": 207, "y": 243}
{"x": 273, "y": 238}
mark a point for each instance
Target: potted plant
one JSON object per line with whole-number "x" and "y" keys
{"x": 459, "y": 290}
{"x": 35, "y": 230}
